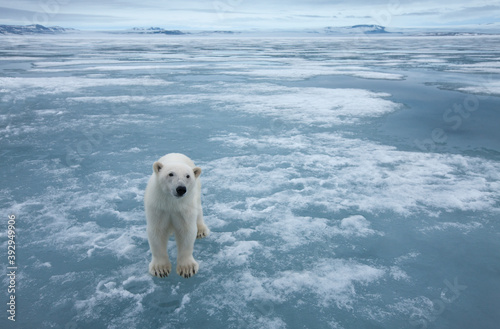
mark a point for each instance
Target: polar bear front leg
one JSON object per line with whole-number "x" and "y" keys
{"x": 186, "y": 265}
{"x": 203, "y": 230}
{"x": 160, "y": 265}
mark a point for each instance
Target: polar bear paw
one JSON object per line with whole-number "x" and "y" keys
{"x": 160, "y": 269}
{"x": 203, "y": 231}
{"x": 187, "y": 268}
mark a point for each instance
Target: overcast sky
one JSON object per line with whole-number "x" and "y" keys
{"x": 247, "y": 14}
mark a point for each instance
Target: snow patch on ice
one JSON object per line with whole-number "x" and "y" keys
{"x": 237, "y": 253}
{"x": 464, "y": 227}
{"x": 185, "y": 300}
{"x": 55, "y": 85}
{"x": 309, "y": 70}
{"x": 398, "y": 274}
{"x": 485, "y": 88}
{"x": 356, "y": 225}
{"x": 298, "y": 230}
{"x": 491, "y": 67}
{"x": 333, "y": 281}
{"x": 318, "y": 106}
{"x": 335, "y": 172}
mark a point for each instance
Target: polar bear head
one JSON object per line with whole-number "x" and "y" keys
{"x": 176, "y": 178}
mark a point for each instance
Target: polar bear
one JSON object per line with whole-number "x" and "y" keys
{"x": 172, "y": 202}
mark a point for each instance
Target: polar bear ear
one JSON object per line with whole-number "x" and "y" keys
{"x": 157, "y": 166}
{"x": 197, "y": 171}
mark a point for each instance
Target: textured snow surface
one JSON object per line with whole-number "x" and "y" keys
{"x": 347, "y": 183}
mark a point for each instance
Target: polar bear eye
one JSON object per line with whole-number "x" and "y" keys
{"x": 187, "y": 176}
{"x": 171, "y": 174}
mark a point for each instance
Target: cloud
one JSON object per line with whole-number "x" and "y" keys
{"x": 238, "y": 14}
{"x": 50, "y": 17}
{"x": 14, "y": 14}
{"x": 473, "y": 12}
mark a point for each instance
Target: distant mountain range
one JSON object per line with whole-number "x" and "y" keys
{"x": 32, "y": 29}
{"x": 327, "y": 31}
{"x": 40, "y": 29}
{"x": 159, "y": 30}
{"x": 356, "y": 29}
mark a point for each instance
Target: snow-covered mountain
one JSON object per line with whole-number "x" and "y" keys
{"x": 154, "y": 30}
{"x": 356, "y": 29}
{"x": 31, "y": 29}
{"x": 159, "y": 30}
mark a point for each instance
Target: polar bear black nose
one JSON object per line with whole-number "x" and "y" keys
{"x": 181, "y": 190}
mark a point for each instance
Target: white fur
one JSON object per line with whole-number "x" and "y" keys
{"x": 167, "y": 212}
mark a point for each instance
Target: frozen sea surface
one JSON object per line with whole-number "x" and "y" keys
{"x": 348, "y": 182}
